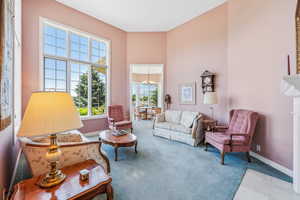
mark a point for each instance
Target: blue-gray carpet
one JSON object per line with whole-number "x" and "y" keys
{"x": 169, "y": 170}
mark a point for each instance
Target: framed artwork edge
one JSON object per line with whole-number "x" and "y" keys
{"x": 190, "y": 93}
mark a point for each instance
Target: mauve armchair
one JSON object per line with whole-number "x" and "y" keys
{"x": 237, "y": 137}
{"x": 116, "y": 119}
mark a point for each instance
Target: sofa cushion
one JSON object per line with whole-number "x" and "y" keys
{"x": 187, "y": 118}
{"x": 173, "y": 116}
{"x": 173, "y": 127}
{"x": 163, "y": 125}
{"x": 180, "y": 128}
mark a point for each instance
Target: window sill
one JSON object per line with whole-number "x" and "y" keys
{"x": 93, "y": 117}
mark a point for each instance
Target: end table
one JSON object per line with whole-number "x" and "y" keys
{"x": 72, "y": 188}
{"x": 209, "y": 124}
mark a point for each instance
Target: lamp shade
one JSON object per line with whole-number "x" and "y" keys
{"x": 210, "y": 98}
{"x": 49, "y": 113}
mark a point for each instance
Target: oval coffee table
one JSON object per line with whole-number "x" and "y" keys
{"x": 127, "y": 140}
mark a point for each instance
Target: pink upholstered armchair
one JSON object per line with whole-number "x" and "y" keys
{"x": 116, "y": 119}
{"x": 237, "y": 137}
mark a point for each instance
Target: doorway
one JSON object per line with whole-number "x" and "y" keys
{"x": 146, "y": 90}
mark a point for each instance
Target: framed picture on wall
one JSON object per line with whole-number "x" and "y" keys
{"x": 187, "y": 93}
{"x": 6, "y": 62}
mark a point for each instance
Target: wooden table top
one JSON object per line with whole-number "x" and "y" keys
{"x": 71, "y": 188}
{"x": 147, "y": 107}
{"x": 107, "y": 136}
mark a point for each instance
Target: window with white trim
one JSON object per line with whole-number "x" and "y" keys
{"x": 76, "y": 63}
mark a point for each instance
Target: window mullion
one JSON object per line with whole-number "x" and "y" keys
{"x": 90, "y": 90}
{"x": 68, "y": 63}
{"x": 68, "y": 76}
{"x": 90, "y": 50}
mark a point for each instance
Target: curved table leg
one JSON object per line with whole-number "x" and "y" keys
{"x": 135, "y": 147}
{"x": 116, "y": 153}
{"x": 109, "y": 192}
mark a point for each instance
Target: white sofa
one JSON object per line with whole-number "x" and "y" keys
{"x": 182, "y": 126}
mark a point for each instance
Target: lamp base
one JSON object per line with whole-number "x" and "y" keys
{"x": 51, "y": 180}
{"x": 55, "y": 176}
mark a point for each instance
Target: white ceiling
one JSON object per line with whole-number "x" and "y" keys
{"x": 143, "y": 15}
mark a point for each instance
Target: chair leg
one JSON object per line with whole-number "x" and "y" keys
{"x": 131, "y": 129}
{"x": 248, "y": 156}
{"x": 222, "y": 157}
{"x": 206, "y": 146}
{"x": 109, "y": 192}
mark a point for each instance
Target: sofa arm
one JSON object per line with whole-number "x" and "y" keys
{"x": 158, "y": 118}
{"x": 96, "y": 153}
{"x": 197, "y": 129}
{"x": 71, "y": 154}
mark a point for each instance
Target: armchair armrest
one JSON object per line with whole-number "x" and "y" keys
{"x": 220, "y": 128}
{"x": 110, "y": 119}
{"x": 238, "y": 134}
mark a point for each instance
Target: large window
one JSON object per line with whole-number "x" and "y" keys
{"x": 77, "y": 63}
{"x": 144, "y": 94}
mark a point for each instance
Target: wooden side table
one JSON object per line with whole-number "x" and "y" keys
{"x": 209, "y": 124}
{"x": 72, "y": 188}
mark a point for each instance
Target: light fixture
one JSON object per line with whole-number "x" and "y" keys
{"x": 210, "y": 98}
{"x": 50, "y": 113}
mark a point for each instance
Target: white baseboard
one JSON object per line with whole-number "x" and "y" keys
{"x": 272, "y": 164}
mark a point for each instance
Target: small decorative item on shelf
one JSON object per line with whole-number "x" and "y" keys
{"x": 119, "y": 132}
{"x": 208, "y": 81}
{"x": 168, "y": 100}
{"x": 84, "y": 174}
{"x": 288, "y": 65}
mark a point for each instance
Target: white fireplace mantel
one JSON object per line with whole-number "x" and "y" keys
{"x": 290, "y": 86}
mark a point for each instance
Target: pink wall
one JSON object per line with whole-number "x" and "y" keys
{"x": 244, "y": 42}
{"x": 145, "y": 48}
{"x": 194, "y": 47}
{"x": 53, "y": 10}
{"x": 261, "y": 34}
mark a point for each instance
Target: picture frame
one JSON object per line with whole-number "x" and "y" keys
{"x": 187, "y": 93}
{"x": 6, "y": 62}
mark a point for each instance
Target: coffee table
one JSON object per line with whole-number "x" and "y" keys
{"x": 127, "y": 140}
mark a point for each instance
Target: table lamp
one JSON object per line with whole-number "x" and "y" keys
{"x": 50, "y": 113}
{"x": 210, "y": 98}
